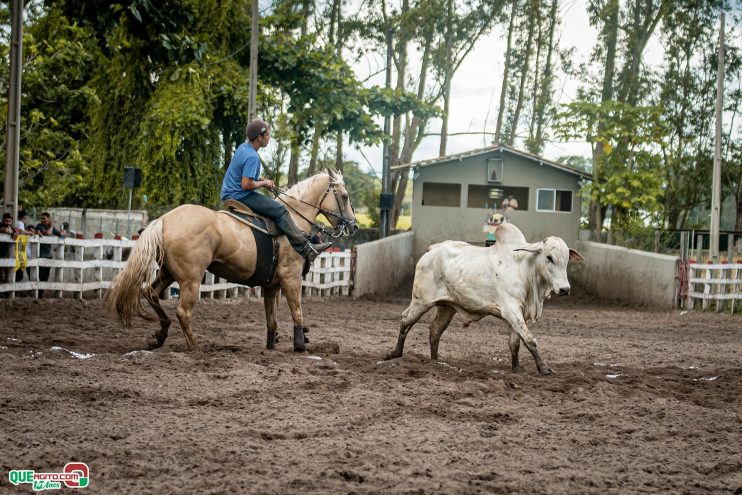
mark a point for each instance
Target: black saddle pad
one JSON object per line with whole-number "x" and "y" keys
{"x": 265, "y": 265}
{"x": 266, "y": 257}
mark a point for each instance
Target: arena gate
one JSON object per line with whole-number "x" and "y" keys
{"x": 717, "y": 285}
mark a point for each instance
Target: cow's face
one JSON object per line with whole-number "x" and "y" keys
{"x": 552, "y": 256}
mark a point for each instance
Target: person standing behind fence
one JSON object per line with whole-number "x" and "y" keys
{"x": 23, "y": 227}
{"x": 6, "y": 249}
{"x": 46, "y": 228}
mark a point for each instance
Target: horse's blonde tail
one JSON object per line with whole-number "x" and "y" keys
{"x": 123, "y": 297}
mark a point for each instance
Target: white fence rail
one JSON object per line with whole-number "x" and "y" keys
{"x": 84, "y": 268}
{"x": 717, "y": 285}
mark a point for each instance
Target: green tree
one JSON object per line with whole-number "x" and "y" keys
{"x": 57, "y": 100}
{"x": 632, "y": 180}
{"x": 162, "y": 86}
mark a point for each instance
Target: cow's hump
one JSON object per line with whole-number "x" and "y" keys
{"x": 509, "y": 234}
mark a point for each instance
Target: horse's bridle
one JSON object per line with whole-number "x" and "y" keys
{"x": 342, "y": 227}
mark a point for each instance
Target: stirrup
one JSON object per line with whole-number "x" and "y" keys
{"x": 314, "y": 250}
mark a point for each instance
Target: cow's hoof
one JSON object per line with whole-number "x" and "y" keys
{"x": 516, "y": 368}
{"x": 392, "y": 355}
{"x": 545, "y": 370}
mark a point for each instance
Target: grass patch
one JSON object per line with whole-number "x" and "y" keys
{"x": 364, "y": 221}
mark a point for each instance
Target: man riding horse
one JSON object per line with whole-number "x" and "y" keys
{"x": 190, "y": 240}
{"x": 243, "y": 179}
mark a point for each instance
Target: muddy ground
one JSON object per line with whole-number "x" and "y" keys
{"x": 642, "y": 402}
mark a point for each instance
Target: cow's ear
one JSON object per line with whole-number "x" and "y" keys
{"x": 575, "y": 256}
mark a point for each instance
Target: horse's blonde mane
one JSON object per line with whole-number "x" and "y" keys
{"x": 299, "y": 189}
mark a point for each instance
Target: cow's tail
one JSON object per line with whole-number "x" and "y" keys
{"x": 123, "y": 297}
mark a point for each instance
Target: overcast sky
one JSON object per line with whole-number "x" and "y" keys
{"x": 476, "y": 90}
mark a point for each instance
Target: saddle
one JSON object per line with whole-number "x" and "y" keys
{"x": 266, "y": 235}
{"x": 240, "y": 210}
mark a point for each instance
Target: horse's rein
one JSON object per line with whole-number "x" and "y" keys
{"x": 343, "y": 222}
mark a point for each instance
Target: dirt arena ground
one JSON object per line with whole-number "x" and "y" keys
{"x": 642, "y": 402}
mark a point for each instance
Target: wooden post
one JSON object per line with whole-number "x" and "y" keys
{"x": 59, "y": 272}
{"x": 716, "y": 175}
{"x": 706, "y": 290}
{"x": 721, "y": 287}
{"x": 737, "y": 287}
{"x": 80, "y": 255}
{"x": 699, "y": 248}
{"x": 684, "y": 246}
{"x": 99, "y": 255}
{"x": 730, "y": 248}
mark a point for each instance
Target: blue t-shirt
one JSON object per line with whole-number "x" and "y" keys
{"x": 245, "y": 163}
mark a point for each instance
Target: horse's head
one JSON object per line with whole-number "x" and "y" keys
{"x": 335, "y": 205}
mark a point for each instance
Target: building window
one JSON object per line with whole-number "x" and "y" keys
{"x": 494, "y": 170}
{"x": 554, "y": 200}
{"x": 491, "y": 197}
{"x": 486, "y": 197}
{"x": 440, "y": 194}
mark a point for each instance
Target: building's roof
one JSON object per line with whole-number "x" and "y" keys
{"x": 495, "y": 147}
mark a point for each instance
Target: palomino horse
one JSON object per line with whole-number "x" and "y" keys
{"x": 191, "y": 239}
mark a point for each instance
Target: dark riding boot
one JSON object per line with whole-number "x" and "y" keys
{"x": 311, "y": 251}
{"x": 299, "y": 240}
{"x": 300, "y": 340}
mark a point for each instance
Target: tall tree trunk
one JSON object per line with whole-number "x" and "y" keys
{"x": 339, "y": 152}
{"x": 448, "y": 74}
{"x": 547, "y": 80}
{"x": 536, "y": 80}
{"x": 412, "y": 134}
{"x": 336, "y": 36}
{"x": 293, "y": 173}
{"x": 738, "y": 202}
{"x": 412, "y": 137}
{"x": 643, "y": 27}
{"x": 305, "y": 14}
{"x": 506, "y": 72}
{"x": 227, "y": 150}
{"x": 523, "y": 78}
{"x": 394, "y": 146}
{"x": 610, "y": 33}
{"x": 314, "y": 153}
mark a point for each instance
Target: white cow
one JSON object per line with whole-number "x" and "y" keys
{"x": 509, "y": 280}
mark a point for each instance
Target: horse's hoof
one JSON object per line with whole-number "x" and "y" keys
{"x": 300, "y": 339}
{"x": 271, "y": 339}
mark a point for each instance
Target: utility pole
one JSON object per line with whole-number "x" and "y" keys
{"x": 10, "y": 193}
{"x": 386, "y": 200}
{"x": 716, "y": 181}
{"x": 251, "y": 110}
